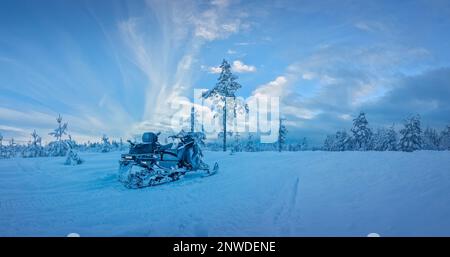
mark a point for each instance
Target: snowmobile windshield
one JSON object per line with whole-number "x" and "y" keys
{"x": 149, "y": 137}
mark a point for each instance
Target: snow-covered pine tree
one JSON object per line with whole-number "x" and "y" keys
{"x": 377, "y": 140}
{"x": 341, "y": 141}
{"x": 445, "y": 139}
{"x": 411, "y": 135}
{"x": 391, "y": 139}
{"x": 11, "y": 149}
{"x": 291, "y": 147}
{"x": 121, "y": 144}
{"x": 237, "y": 145}
{"x": 58, "y": 147}
{"x": 362, "y": 134}
{"x": 304, "y": 144}
{"x": 72, "y": 141}
{"x": 385, "y": 139}
{"x": 106, "y": 146}
{"x": 2, "y": 154}
{"x": 225, "y": 90}
{"x": 282, "y": 132}
{"x": 328, "y": 144}
{"x": 250, "y": 145}
{"x": 430, "y": 139}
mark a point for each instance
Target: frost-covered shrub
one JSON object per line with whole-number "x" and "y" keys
{"x": 72, "y": 157}
{"x": 34, "y": 148}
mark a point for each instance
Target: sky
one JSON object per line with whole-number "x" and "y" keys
{"x": 118, "y": 67}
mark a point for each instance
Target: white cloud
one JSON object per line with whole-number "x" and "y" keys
{"x": 237, "y": 66}
{"x": 214, "y": 69}
{"x": 300, "y": 112}
{"x": 345, "y": 116}
{"x": 275, "y": 88}
{"x": 294, "y": 109}
{"x": 308, "y": 75}
{"x": 220, "y": 3}
{"x": 232, "y": 27}
{"x": 231, "y": 51}
{"x": 216, "y": 22}
{"x": 240, "y": 67}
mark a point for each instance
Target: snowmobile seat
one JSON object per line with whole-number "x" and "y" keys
{"x": 142, "y": 149}
{"x": 165, "y": 147}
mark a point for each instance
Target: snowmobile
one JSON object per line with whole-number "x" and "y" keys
{"x": 150, "y": 163}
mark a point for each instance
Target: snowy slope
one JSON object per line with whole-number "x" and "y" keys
{"x": 263, "y": 194}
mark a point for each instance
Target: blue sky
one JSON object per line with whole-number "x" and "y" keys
{"x": 111, "y": 66}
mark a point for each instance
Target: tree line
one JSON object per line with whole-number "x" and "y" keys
{"x": 410, "y": 137}
{"x": 62, "y": 145}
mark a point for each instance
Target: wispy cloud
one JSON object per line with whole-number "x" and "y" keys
{"x": 370, "y": 26}
{"x": 217, "y": 21}
{"x": 156, "y": 55}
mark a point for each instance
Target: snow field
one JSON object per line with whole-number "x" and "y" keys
{"x": 254, "y": 194}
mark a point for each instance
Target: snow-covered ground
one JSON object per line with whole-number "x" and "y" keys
{"x": 261, "y": 194}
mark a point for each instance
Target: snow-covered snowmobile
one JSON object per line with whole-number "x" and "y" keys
{"x": 149, "y": 163}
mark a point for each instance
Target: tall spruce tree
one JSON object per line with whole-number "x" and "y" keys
{"x": 225, "y": 91}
